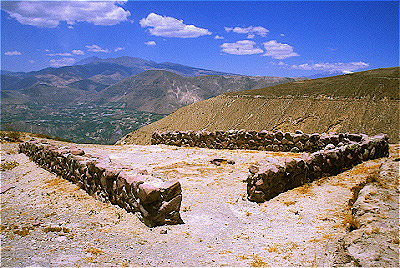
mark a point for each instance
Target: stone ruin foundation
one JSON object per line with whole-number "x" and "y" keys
{"x": 157, "y": 202}
{"x": 330, "y": 154}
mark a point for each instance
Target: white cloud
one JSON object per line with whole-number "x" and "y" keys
{"x": 62, "y": 62}
{"x": 59, "y": 54}
{"x": 219, "y": 37}
{"x": 31, "y": 61}
{"x": 332, "y": 67}
{"x": 150, "y": 43}
{"x": 118, "y": 49}
{"x": 243, "y": 47}
{"x": 170, "y": 27}
{"x": 282, "y": 34}
{"x": 251, "y": 31}
{"x": 49, "y": 14}
{"x": 97, "y": 49}
{"x": 278, "y": 50}
{"x": 12, "y": 53}
{"x": 78, "y": 52}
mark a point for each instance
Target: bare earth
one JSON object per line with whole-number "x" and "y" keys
{"x": 48, "y": 221}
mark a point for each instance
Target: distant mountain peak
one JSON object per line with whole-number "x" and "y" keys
{"x": 88, "y": 60}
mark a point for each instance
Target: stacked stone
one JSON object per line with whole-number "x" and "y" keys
{"x": 154, "y": 201}
{"x": 254, "y": 140}
{"x": 269, "y": 178}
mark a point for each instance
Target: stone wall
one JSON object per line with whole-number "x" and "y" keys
{"x": 253, "y": 140}
{"x": 330, "y": 154}
{"x": 156, "y": 202}
{"x": 273, "y": 176}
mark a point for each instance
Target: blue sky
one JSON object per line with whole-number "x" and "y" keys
{"x": 274, "y": 38}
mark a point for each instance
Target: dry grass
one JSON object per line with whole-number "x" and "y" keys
{"x": 350, "y": 222}
{"x": 273, "y": 248}
{"x": 94, "y": 251}
{"x": 289, "y": 203}
{"x": 258, "y": 262}
{"x": 56, "y": 229}
{"x": 304, "y": 189}
{"x": 8, "y": 165}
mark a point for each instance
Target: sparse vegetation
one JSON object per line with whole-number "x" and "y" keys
{"x": 56, "y": 229}
{"x": 11, "y": 136}
{"x": 258, "y": 262}
{"x": 273, "y": 249}
{"x": 350, "y": 222}
{"x": 94, "y": 251}
{"x": 8, "y": 165}
{"x": 290, "y": 202}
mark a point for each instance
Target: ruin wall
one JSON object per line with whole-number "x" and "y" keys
{"x": 154, "y": 201}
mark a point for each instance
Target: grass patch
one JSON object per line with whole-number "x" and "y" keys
{"x": 289, "y": 203}
{"x": 304, "y": 189}
{"x": 11, "y": 136}
{"x": 8, "y": 165}
{"x": 94, "y": 251}
{"x": 258, "y": 262}
{"x": 56, "y": 229}
{"x": 273, "y": 248}
{"x": 350, "y": 222}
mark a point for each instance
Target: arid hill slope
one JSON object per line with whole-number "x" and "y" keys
{"x": 366, "y": 102}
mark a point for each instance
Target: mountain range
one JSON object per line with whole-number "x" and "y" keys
{"x": 102, "y": 71}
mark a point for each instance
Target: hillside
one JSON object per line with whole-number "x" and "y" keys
{"x": 164, "y": 92}
{"x": 366, "y": 102}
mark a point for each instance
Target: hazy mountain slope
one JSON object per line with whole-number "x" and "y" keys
{"x": 104, "y": 71}
{"x": 297, "y": 105}
{"x": 66, "y": 75}
{"x": 9, "y": 82}
{"x": 164, "y": 92}
{"x": 142, "y": 65}
{"x": 46, "y": 94}
{"x": 87, "y": 84}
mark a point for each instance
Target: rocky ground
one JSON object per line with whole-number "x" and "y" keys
{"x": 48, "y": 221}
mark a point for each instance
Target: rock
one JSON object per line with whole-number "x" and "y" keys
{"x": 295, "y": 150}
{"x": 173, "y": 205}
{"x": 330, "y": 147}
{"x": 253, "y": 169}
{"x": 257, "y": 196}
{"x": 77, "y": 151}
{"x": 170, "y": 189}
{"x": 149, "y": 193}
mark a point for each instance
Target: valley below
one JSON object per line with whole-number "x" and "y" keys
{"x": 81, "y": 123}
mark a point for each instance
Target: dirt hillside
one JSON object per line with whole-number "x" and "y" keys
{"x": 366, "y": 102}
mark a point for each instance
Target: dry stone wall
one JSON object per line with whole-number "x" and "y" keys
{"x": 330, "y": 154}
{"x": 271, "y": 177}
{"x": 254, "y": 140}
{"x": 156, "y": 202}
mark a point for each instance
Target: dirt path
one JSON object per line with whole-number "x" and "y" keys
{"x": 47, "y": 221}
